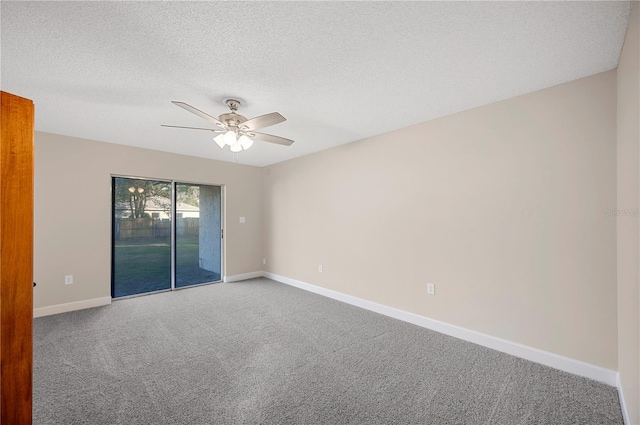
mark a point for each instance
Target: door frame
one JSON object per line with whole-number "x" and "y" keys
{"x": 16, "y": 261}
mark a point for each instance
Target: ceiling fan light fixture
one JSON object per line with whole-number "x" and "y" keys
{"x": 245, "y": 142}
{"x": 219, "y": 139}
{"x": 236, "y": 147}
{"x": 230, "y": 138}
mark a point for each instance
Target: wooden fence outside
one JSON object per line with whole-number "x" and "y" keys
{"x": 147, "y": 228}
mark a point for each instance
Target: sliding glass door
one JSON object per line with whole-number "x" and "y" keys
{"x": 141, "y": 236}
{"x": 155, "y": 222}
{"x": 198, "y": 234}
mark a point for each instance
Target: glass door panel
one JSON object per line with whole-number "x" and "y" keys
{"x": 142, "y": 216}
{"x": 198, "y": 234}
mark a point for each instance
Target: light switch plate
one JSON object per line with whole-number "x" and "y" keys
{"x": 242, "y": 220}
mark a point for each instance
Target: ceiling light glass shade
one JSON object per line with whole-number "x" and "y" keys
{"x": 245, "y": 141}
{"x": 230, "y": 138}
{"x": 219, "y": 139}
{"x": 236, "y": 147}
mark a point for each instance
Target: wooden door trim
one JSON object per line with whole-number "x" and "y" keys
{"x": 16, "y": 259}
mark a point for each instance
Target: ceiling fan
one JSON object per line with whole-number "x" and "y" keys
{"x": 236, "y": 131}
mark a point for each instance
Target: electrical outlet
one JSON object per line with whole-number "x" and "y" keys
{"x": 264, "y": 261}
{"x": 431, "y": 289}
{"x": 320, "y": 268}
{"x": 242, "y": 220}
{"x": 68, "y": 279}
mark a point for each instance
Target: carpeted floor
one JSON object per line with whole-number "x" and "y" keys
{"x": 263, "y": 352}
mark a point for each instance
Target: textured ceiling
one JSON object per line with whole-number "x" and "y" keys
{"x": 338, "y": 71}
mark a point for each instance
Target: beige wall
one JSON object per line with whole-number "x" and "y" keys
{"x": 73, "y": 216}
{"x": 503, "y": 207}
{"x": 628, "y": 141}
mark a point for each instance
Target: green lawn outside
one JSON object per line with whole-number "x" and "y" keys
{"x": 145, "y": 265}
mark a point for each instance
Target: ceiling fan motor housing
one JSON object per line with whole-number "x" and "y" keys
{"x": 232, "y": 119}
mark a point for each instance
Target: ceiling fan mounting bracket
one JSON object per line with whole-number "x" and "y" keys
{"x": 233, "y": 103}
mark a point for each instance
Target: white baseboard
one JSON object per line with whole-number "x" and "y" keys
{"x": 76, "y": 305}
{"x": 243, "y": 276}
{"x": 546, "y": 358}
{"x": 623, "y": 405}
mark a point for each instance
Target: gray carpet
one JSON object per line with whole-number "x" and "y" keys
{"x": 262, "y": 352}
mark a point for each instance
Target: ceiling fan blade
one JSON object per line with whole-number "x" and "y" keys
{"x": 193, "y": 128}
{"x": 198, "y": 112}
{"x": 271, "y": 138}
{"x": 262, "y": 121}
